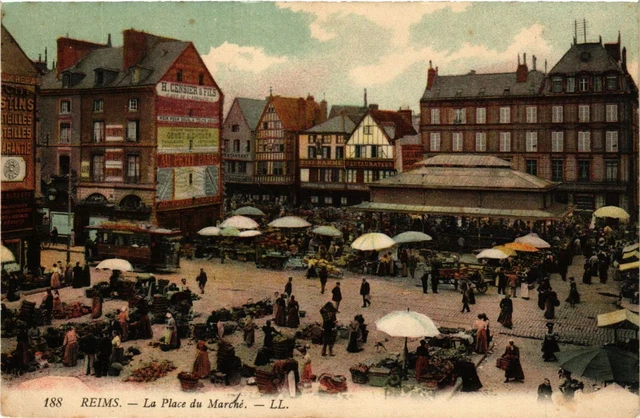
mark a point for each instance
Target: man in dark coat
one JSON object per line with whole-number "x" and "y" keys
{"x": 550, "y": 344}
{"x": 365, "y": 290}
{"x": 435, "y": 275}
{"x": 337, "y": 296}
{"x": 425, "y": 282}
{"x": 324, "y": 275}
{"x": 502, "y": 282}
{"x": 104, "y": 355}
{"x": 86, "y": 276}
{"x": 47, "y": 305}
{"x": 89, "y": 346}
{"x": 288, "y": 288}
{"x": 77, "y": 276}
{"x": 328, "y": 313}
{"x": 202, "y": 280}
{"x": 54, "y": 235}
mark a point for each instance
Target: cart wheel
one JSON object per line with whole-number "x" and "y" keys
{"x": 482, "y": 287}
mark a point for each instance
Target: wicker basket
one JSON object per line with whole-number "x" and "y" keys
{"x": 359, "y": 377}
{"x": 188, "y": 382}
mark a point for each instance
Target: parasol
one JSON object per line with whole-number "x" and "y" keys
{"x": 290, "y": 222}
{"x": 210, "y": 231}
{"x": 372, "y": 242}
{"x": 519, "y": 246}
{"x": 247, "y": 234}
{"x": 411, "y": 236}
{"x": 493, "y": 254}
{"x": 508, "y": 251}
{"x": 631, "y": 248}
{"x": 604, "y": 364}
{"x": 230, "y": 232}
{"x": 115, "y": 264}
{"x": 248, "y": 211}
{"x": 6, "y": 256}
{"x": 611, "y": 212}
{"x": 239, "y": 222}
{"x": 534, "y": 240}
{"x": 629, "y": 266}
{"x": 327, "y": 231}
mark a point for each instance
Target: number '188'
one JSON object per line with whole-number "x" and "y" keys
{"x": 53, "y": 402}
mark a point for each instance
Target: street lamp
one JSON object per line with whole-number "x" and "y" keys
{"x": 70, "y": 198}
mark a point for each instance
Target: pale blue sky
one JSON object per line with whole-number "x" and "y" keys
{"x": 335, "y": 50}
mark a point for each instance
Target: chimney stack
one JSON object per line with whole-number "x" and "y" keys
{"x": 407, "y": 114}
{"x": 71, "y": 51}
{"x": 45, "y": 55}
{"x": 365, "y": 97}
{"x": 109, "y": 40}
{"x": 533, "y": 63}
{"x": 522, "y": 73}
{"x": 431, "y": 76}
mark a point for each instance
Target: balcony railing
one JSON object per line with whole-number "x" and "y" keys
{"x": 274, "y": 179}
{"x": 237, "y": 178}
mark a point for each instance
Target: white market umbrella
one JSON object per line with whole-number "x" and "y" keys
{"x": 249, "y": 211}
{"x": 631, "y": 248}
{"x": 250, "y": 233}
{"x": 534, "y": 240}
{"x": 210, "y": 231}
{"x": 407, "y": 324}
{"x": 611, "y": 212}
{"x": 372, "y": 242}
{"x": 239, "y": 222}
{"x": 411, "y": 236}
{"x": 327, "y": 231}
{"x": 230, "y": 232}
{"x": 289, "y": 222}
{"x": 6, "y": 256}
{"x": 115, "y": 264}
{"x": 493, "y": 254}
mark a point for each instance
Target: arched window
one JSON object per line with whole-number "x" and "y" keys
{"x": 130, "y": 202}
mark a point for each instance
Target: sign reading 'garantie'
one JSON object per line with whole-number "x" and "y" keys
{"x": 187, "y": 92}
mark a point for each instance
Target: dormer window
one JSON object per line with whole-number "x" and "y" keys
{"x": 571, "y": 85}
{"x": 597, "y": 83}
{"x": 612, "y": 82}
{"x": 179, "y": 76}
{"x": 506, "y": 91}
{"x": 201, "y": 79}
{"x": 556, "y": 85}
{"x": 135, "y": 76}
{"x": 99, "y": 77}
{"x": 66, "y": 80}
{"x": 583, "y": 84}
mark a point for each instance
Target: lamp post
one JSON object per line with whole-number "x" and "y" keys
{"x": 69, "y": 201}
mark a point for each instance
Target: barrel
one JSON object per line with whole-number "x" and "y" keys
{"x": 284, "y": 349}
{"x": 264, "y": 380}
{"x": 26, "y": 311}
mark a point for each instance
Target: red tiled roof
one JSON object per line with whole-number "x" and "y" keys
{"x": 296, "y": 113}
{"x": 387, "y": 117}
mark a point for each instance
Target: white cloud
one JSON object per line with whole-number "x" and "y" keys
{"x": 399, "y": 21}
{"x": 233, "y": 57}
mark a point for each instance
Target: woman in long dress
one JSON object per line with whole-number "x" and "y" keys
{"x": 513, "y": 369}
{"x": 70, "y": 348}
{"x": 202, "y": 365}
{"x": 171, "y": 333}
{"x": 145, "y": 332}
{"x": 574, "y": 296}
{"x": 55, "y": 279}
{"x": 123, "y": 318}
{"x": 422, "y": 360}
{"x": 307, "y": 372}
{"x": 355, "y": 337}
{"x": 506, "y": 312}
{"x": 293, "y": 316}
{"x": 550, "y": 305}
{"x": 281, "y": 314}
{"x": 482, "y": 344}
{"x": 485, "y": 318}
{"x": 96, "y": 306}
{"x": 57, "y": 305}
{"x": 249, "y": 331}
{"x": 86, "y": 276}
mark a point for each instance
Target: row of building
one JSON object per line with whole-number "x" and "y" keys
{"x": 136, "y": 132}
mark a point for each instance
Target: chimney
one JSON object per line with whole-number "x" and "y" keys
{"x": 71, "y": 51}
{"x": 365, "y": 97}
{"x": 133, "y": 48}
{"x": 45, "y": 55}
{"x": 534, "y": 59}
{"x": 373, "y": 106}
{"x": 109, "y": 40}
{"x": 407, "y": 114}
{"x": 522, "y": 73}
{"x": 323, "y": 110}
{"x": 624, "y": 59}
{"x": 431, "y": 76}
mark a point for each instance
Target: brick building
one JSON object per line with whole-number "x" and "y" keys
{"x": 138, "y": 126}
{"x": 20, "y": 97}
{"x": 576, "y": 124}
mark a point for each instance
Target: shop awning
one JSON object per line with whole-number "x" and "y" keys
{"x": 555, "y": 212}
{"x": 622, "y": 318}
{"x": 629, "y": 266}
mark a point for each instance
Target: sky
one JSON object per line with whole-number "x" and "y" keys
{"x": 336, "y": 50}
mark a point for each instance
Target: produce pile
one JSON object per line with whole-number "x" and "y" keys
{"x": 320, "y": 262}
{"x": 311, "y": 332}
{"x": 151, "y": 371}
{"x": 72, "y": 310}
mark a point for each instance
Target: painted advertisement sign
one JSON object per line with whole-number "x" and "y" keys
{"x": 186, "y": 183}
{"x": 182, "y": 91}
{"x": 175, "y": 139}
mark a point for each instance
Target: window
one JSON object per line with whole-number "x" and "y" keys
{"x": 612, "y": 113}
{"x": 368, "y": 176}
{"x": 265, "y": 125}
{"x": 459, "y": 116}
{"x": 481, "y": 141}
{"x": 532, "y": 167}
{"x": 505, "y": 115}
{"x": 236, "y": 145}
{"x": 557, "y": 114}
{"x": 456, "y": 141}
{"x": 435, "y": 116}
{"x": 65, "y": 107}
{"x": 235, "y": 128}
{"x": 278, "y": 168}
{"x": 242, "y": 167}
{"x": 133, "y": 134}
{"x": 304, "y": 175}
{"x": 556, "y": 85}
{"x": 314, "y": 199}
{"x": 557, "y": 170}
{"x": 481, "y": 115}
{"x": 343, "y": 201}
{"x": 328, "y": 200}
{"x": 65, "y": 133}
{"x": 133, "y": 105}
{"x": 263, "y": 167}
{"x": 179, "y": 76}
{"x": 583, "y": 84}
{"x": 64, "y": 164}
{"x": 531, "y": 142}
{"x": 325, "y": 175}
{"x": 247, "y": 146}
{"x": 98, "y": 77}
{"x": 200, "y": 79}
{"x": 612, "y": 82}
{"x": 98, "y": 131}
{"x": 326, "y": 153}
{"x": 505, "y": 141}
{"x": 584, "y": 170}
{"x": 611, "y": 171}
{"x": 339, "y": 153}
{"x": 226, "y": 145}
{"x": 584, "y": 141}
{"x": 597, "y": 83}
{"x": 557, "y": 141}
{"x": 98, "y": 105}
{"x": 66, "y": 80}
{"x": 583, "y": 113}
{"x": 434, "y": 141}
{"x": 374, "y": 151}
{"x": 611, "y": 141}
{"x": 571, "y": 85}
{"x": 133, "y": 168}
{"x": 358, "y": 151}
{"x": 135, "y": 75}
{"x": 351, "y": 176}
{"x": 368, "y": 130}
{"x": 532, "y": 114}
{"x": 97, "y": 168}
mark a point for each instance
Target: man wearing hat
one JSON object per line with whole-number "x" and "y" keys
{"x": 365, "y": 290}
{"x": 550, "y": 344}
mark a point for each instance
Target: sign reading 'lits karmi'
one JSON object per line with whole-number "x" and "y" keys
{"x": 187, "y": 92}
